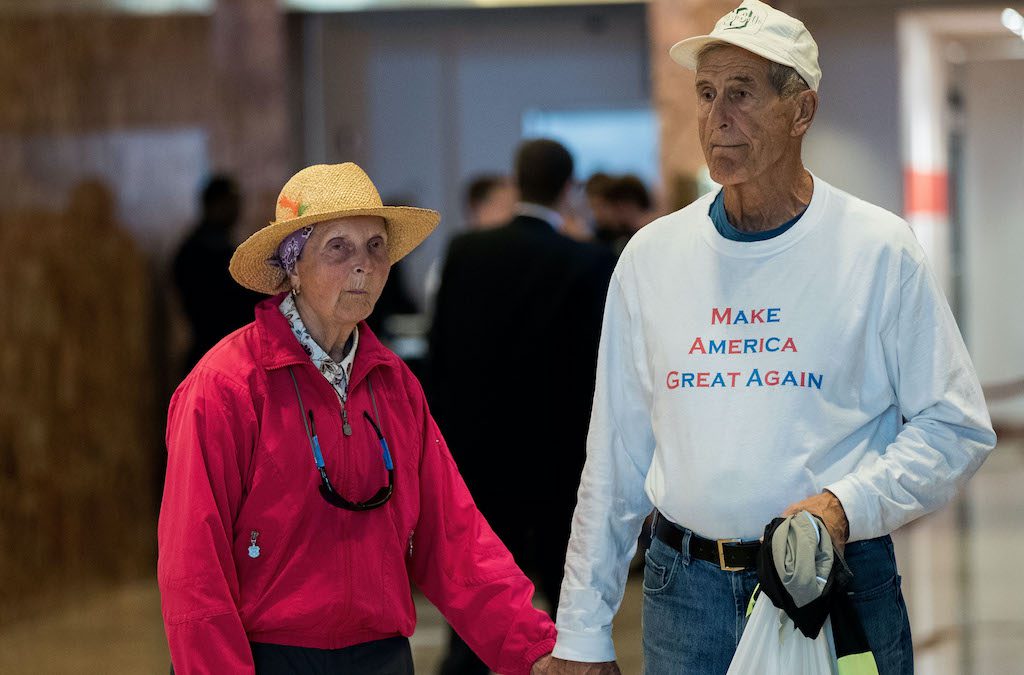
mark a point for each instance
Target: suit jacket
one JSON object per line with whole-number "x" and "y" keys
{"x": 514, "y": 352}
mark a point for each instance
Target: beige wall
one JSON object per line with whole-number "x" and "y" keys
{"x": 107, "y": 126}
{"x": 672, "y": 88}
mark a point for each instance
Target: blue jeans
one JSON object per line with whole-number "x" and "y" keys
{"x": 694, "y": 613}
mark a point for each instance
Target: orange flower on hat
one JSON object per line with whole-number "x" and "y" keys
{"x": 291, "y": 204}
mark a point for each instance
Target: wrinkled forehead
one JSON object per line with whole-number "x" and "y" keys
{"x": 722, "y": 61}
{"x": 354, "y": 227}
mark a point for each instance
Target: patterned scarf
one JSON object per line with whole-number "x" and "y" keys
{"x": 337, "y": 374}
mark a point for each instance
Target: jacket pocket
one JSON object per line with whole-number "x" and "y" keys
{"x": 399, "y": 610}
{"x": 261, "y": 539}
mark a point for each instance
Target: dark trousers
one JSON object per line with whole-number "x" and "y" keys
{"x": 391, "y": 656}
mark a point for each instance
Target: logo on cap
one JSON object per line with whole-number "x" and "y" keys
{"x": 738, "y": 18}
{"x": 742, "y": 17}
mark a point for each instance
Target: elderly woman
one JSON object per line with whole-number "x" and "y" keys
{"x": 308, "y": 486}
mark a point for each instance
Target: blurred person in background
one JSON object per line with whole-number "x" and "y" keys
{"x": 626, "y": 206}
{"x": 214, "y": 304}
{"x": 308, "y": 486}
{"x": 632, "y": 205}
{"x": 575, "y": 214}
{"x": 489, "y": 201}
{"x": 513, "y": 350}
{"x": 777, "y": 346}
{"x": 603, "y": 222}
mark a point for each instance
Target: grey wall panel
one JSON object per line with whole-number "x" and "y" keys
{"x": 424, "y": 100}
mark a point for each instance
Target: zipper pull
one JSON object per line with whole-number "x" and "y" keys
{"x": 411, "y": 534}
{"x": 254, "y": 550}
{"x": 346, "y": 428}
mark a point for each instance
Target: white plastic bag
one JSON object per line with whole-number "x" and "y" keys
{"x": 772, "y": 645}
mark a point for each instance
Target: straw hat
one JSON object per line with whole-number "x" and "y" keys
{"x": 313, "y": 195}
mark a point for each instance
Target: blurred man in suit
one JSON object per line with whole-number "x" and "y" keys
{"x": 489, "y": 201}
{"x": 514, "y": 350}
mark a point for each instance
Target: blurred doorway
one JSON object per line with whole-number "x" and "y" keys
{"x": 990, "y": 179}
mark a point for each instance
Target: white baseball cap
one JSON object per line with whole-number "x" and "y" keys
{"x": 763, "y": 30}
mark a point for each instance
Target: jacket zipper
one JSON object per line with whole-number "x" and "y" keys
{"x": 346, "y": 428}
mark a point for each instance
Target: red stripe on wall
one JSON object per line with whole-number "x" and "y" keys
{"x": 926, "y": 192}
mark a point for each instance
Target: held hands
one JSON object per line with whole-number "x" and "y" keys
{"x": 827, "y": 507}
{"x": 551, "y": 666}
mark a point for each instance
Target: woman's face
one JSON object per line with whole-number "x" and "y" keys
{"x": 343, "y": 268}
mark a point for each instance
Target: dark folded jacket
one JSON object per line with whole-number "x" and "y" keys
{"x": 852, "y": 649}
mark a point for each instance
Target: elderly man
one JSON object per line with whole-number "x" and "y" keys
{"x": 775, "y": 347}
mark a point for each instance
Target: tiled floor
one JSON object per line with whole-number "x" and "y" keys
{"x": 977, "y": 632}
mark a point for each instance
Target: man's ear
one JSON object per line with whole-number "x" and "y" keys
{"x": 803, "y": 112}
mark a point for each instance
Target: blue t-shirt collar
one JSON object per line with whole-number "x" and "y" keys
{"x": 726, "y": 229}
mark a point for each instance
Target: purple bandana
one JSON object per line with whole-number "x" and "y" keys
{"x": 290, "y": 249}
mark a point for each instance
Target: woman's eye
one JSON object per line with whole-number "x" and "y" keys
{"x": 339, "y": 248}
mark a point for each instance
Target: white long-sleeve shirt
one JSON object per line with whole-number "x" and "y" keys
{"x": 735, "y": 378}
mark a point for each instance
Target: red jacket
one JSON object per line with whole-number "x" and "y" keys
{"x": 239, "y": 462}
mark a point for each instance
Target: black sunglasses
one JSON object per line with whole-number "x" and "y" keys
{"x": 327, "y": 491}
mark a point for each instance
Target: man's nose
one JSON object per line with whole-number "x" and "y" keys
{"x": 719, "y": 114}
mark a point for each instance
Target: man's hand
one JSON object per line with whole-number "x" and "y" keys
{"x": 540, "y": 666}
{"x": 560, "y": 667}
{"x": 827, "y": 507}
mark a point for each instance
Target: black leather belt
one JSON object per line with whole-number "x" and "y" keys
{"x": 731, "y": 555}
